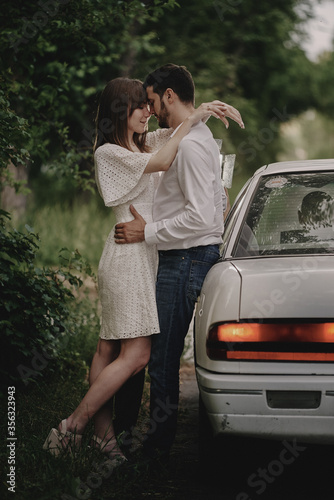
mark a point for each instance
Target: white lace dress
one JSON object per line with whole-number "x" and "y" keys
{"x": 127, "y": 273}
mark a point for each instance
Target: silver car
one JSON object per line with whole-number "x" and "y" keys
{"x": 264, "y": 325}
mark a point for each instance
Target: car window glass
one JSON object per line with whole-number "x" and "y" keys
{"x": 289, "y": 214}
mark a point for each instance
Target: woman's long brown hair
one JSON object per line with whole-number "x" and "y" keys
{"x": 118, "y": 100}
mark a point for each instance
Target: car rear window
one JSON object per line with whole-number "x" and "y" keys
{"x": 289, "y": 214}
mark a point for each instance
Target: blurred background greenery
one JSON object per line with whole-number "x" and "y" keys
{"x": 56, "y": 57}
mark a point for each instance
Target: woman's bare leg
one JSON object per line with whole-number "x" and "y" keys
{"x": 133, "y": 357}
{"x": 106, "y": 352}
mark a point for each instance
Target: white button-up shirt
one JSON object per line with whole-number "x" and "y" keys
{"x": 189, "y": 200}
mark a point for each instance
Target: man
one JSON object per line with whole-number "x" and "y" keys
{"x": 187, "y": 229}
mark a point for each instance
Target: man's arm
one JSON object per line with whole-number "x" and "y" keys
{"x": 131, "y": 232}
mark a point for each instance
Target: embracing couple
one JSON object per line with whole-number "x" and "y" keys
{"x": 168, "y": 230}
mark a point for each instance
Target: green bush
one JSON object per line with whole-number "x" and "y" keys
{"x": 37, "y": 317}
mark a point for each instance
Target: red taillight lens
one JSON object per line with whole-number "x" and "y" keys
{"x": 272, "y": 341}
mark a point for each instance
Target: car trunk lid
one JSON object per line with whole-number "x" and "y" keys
{"x": 286, "y": 287}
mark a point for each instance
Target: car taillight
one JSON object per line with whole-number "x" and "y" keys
{"x": 271, "y": 341}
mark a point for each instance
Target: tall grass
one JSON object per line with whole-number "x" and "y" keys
{"x": 79, "y": 225}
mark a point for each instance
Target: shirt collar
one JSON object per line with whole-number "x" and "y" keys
{"x": 177, "y": 128}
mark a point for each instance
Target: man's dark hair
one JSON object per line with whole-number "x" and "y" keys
{"x": 177, "y": 78}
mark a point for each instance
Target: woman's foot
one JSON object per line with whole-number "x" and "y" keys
{"x": 62, "y": 439}
{"x": 110, "y": 448}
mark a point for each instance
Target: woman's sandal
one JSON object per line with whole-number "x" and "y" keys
{"x": 115, "y": 455}
{"x": 60, "y": 440}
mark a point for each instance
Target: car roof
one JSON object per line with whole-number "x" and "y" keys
{"x": 296, "y": 166}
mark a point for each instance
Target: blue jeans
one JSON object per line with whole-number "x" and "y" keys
{"x": 180, "y": 278}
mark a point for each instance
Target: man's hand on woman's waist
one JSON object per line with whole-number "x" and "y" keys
{"x": 131, "y": 232}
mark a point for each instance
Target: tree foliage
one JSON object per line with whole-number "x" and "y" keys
{"x": 56, "y": 56}
{"x": 323, "y": 84}
{"x": 246, "y": 53}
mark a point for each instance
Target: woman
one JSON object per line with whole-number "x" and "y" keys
{"x": 125, "y": 155}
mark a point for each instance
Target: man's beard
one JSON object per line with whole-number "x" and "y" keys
{"x": 163, "y": 118}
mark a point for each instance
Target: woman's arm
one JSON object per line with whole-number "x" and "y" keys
{"x": 229, "y": 112}
{"x": 163, "y": 159}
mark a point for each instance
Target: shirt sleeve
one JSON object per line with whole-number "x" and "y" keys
{"x": 155, "y": 140}
{"x": 196, "y": 180}
{"x": 119, "y": 173}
